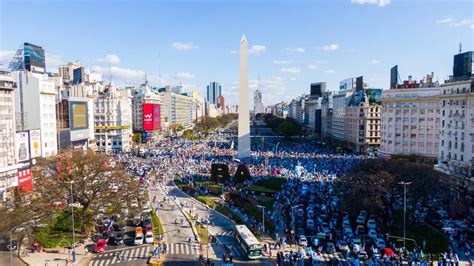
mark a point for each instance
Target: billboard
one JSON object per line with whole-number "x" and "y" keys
{"x": 22, "y": 146}
{"x": 156, "y": 117}
{"x": 34, "y": 58}
{"x": 462, "y": 68}
{"x": 78, "y": 115}
{"x": 151, "y": 116}
{"x": 317, "y": 89}
{"x": 25, "y": 180}
{"x": 35, "y": 143}
{"x": 360, "y": 83}
{"x": 147, "y": 116}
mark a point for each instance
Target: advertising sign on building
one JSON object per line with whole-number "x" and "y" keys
{"x": 35, "y": 143}
{"x": 25, "y": 180}
{"x": 78, "y": 111}
{"x": 147, "y": 116}
{"x": 34, "y": 58}
{"x": 156, "y": 117}
{"x": 22, "y": 146}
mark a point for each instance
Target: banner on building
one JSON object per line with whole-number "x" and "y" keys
{"x": 151, "y": 117}
{"x": 35, "y": 143}
{"x": 25, "y": 180}
{"x": 22, "y": 146}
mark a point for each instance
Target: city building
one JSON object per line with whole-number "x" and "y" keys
{"x": 214, "y": 90}
{"x": 199, "y": 102}
{"x": 221, "y": 103}
{"x": 340, "y": 101}
{"x": 113, "y": 120}
{"x": 66, "y": 71}
{"x": 146, "y": 112}
{"x": 456, "y": 143}
{"x": 8, "y": 167}
{"x": 178, "y": 109}
{"x": 35, "y": 107}
{"x": 362, "y": 120}
{"x": 326, "y": 114}
{"x": 410, "y": 119}
{"x": 257, "y": 102}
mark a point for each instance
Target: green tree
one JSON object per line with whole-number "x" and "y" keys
{"x": 289, "y": 129}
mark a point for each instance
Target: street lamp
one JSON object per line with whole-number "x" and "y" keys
{"x": 263, "y": 217}
{"x": 293, "y": 217}
{"x": 404, "y": 184}
{"x": 73, "y": 230}
{"x": 276, "y": 148}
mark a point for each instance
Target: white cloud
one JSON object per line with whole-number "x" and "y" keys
{"x": 380, "y": 3}
{"x": 121, "y": 74}
{"x": 311, "y": 66}
{"x": 257, "y": 49}
{"x": 291, "y": 69}
{"x": 472, "y": 26}
{"x": 296, "y": 50}
{"x": 53, "y": 61}
{"x": 330, "y": 71}
{"x": 464, "y": 22}
{"x": 184, "y": 45}
{"x": 281, "y": 62}
{"x": 6, "y": 57}
{"x": 184, "y": 75}
{"x": 375, "y": 61}
{"x": 446, "y": 20}
{"x": 113, "y": 59}
{"x": 273, "y": 90}
{"x": 331, "y": 47}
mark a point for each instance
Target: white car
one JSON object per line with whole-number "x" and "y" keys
{"x": 138, "y": 240}
{"x": 302, "y": 241}
{"x": 379, "y": 243}
{"x": 372, "y": 233}
{"x": 149, "y": 237}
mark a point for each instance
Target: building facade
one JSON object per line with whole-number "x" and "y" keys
{"x": 410, "y": 120}
{"x": 145, "y": 119}
{"x": 35, "y": 105}
{"x": 257, "y": 102}
{"x": 66, "y": 71}
{"x": 8, "y": 168}
{"x": 340, "y": 101}
{"x": 113, "y": 120}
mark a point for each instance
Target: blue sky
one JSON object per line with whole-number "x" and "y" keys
{"x": 292, "y": 43}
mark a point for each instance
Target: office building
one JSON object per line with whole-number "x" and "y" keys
{"x": 326, "y": 114}
{"x": 340, "y": 101}
{"x": 8, "y": 167}
{"x": 214, "y": 90}
{"x": 146, "y": 112}
{"x": 410, "y": 119}
{"x": 362, "y": 120}
{"x": 177, "y": 109}
{"x": 113, "y": 120}
{"x": 456, "y": 143}
{"x": 66, "y": 71}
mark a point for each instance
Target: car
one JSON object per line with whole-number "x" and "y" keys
{"x": 100, "y": 246}
{"x": 105, "y": 235}
{"x": 379, "y": 243}
{"x": 302, "y": 241}
{"x": 118, "y": 238}
{"x": 371, "y": 224}
{"x": 134, "y": 204}
{"x": 360, "y": 229}
{"x": 119, "y": 227}
{"x": 149, "y": 237}
{"x": 348, "y": 232}
{"x": 300, "y": 212}
{"x": 346, "y": 222}
{"x": 138, "y": 239}
{"x": 342, "y": 245}
{"x": 360, "y": 219}
{"x": 12, "y": 246}
{"x": 372, "y": 233}
{"x": 147, "y": 221}
{"x": 137, "y": 220}
{"x": 330, "y": 248}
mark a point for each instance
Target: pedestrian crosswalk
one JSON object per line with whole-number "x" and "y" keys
{"x": 226, "y": 233}
{"x": 325, "y": 257}
{"x": 122, "y": 255}
{"x": 182, "y": 249}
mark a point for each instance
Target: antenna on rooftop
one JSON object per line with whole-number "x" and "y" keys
{"x": 460, "y": 47}
{"x": 110, "y": 73}
{"x": 159, "y": 71}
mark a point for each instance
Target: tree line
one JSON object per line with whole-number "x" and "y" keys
{"x": 284, "y": 127}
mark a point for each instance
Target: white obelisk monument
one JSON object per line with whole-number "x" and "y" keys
{"x": 244, "y": 115}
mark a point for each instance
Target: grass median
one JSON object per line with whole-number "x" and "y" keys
{"x": 157, "y": 226}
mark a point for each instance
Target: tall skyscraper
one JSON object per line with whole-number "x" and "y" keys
{"x": 214, "y": 90}
{"x": 244, "y": 116}
{"x": 257, "y": 102}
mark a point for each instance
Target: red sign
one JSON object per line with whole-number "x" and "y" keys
{"x": 147, "y": 116}
{"x": 151, "y": 117}
{"x": 25, "y": 180}
{"x": 156, "y": 117}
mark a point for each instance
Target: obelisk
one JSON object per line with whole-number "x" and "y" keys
{"x": 244, "y": 115}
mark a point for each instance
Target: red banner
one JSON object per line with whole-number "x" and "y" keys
{"x": 156, "y": 117}
{"x": 25, "y": 180}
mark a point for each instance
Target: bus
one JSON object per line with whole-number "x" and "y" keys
{"x": 248, "y": 242}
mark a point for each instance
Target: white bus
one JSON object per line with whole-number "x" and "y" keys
{"x": 248, "y": 242}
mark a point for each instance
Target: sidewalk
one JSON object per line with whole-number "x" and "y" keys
{"x": 57, "y": 257}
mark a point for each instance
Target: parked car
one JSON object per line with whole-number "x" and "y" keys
{"x": 138, "y": 239}
{"x": 100, "y": 246}
{"x": 302, "y": 241}
{"x": 149, "y": 237}
{"x": 379, "y": 243}
{"x": 342, "y": 245}
{"x": 372, "y": 233}
{"x": 118, "y": 238}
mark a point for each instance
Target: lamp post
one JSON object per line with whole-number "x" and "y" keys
{"x": 404, "y": 184}
{"x": 276, "y": 149}
{"x": 293, "y": 218}
{"x": 73, "y": 229}
{"x": 263, "y": 217}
